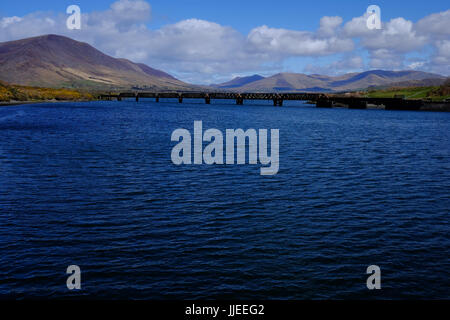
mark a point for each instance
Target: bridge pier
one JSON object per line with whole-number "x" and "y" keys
{"x": 277, "y": 102}
{"x": 357, "y": 104}
{"x": 324, "y": 103}
{"x": 401, "y": 104}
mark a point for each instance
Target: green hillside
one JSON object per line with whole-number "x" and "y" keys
{"x": 432, "y": 92}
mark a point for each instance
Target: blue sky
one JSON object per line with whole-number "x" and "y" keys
{"x": 244, "y": 15}
{"x": 293, "y": 24}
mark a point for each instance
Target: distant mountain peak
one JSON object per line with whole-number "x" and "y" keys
{"x": 239, "y": 81}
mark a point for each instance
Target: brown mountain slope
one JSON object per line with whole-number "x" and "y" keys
{"x": 238, "y": 82}
{"x": 57, "y": 61}
{"x": 285, "y": 82}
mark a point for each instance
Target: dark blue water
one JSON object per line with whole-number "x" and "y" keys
{"x": 92, "y": 184}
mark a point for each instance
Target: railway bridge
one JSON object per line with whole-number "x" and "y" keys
{"x": 320, "y": 99}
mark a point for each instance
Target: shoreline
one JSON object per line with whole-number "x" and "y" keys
{"x": 17, "y": 103}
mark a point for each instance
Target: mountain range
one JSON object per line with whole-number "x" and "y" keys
{"x": 57, "y": 61}
{"x": 321, "y": 83}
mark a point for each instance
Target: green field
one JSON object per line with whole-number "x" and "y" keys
{"x": 435, "y": 93}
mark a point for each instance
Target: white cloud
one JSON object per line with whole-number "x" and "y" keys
{"x": 357, "y": 27}
{"x": 443, "y": 48}
{"x": 349, "y": 63}
{"x": 416, "y": 65}
{"x": 397, "y": 35}
{"x": 283, "y": 42}
{"x": 441, "y": 59}
{"x": 385, "y": 59}
{"x": 35, "y": 24}
{"x": 328, "y": 25}
{"x": 4, "y": 22}
{"x": 436, "y": 25}
{"x": 194, "y": 40}
{"x": 389, "y": 46}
